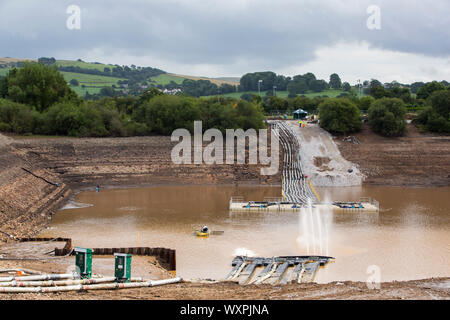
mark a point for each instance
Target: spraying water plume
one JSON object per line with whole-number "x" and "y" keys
{"x": 314, "y": 227}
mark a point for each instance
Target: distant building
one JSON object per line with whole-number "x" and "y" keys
{"x": 300, "y": 114}
{"x": 171, "y": 91}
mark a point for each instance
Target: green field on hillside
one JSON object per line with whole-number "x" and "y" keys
{"x": 81, "y": 64}
{"x": 91, "y": 79}
{"x": 164, "y": 79}
{"x": 93, "y": 83}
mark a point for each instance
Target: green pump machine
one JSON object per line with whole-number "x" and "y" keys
{"x": 83, "y": 262}
{"x": 122, "y": 270}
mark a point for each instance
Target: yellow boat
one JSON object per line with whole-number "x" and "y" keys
{"x": 202, "y": 234}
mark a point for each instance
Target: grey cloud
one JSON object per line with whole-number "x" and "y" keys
{"x": 264, "y": 34}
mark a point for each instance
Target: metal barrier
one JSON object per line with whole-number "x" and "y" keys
{"x": 168, "y": 256}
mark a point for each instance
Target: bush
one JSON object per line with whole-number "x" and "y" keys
{"x": 387, "y": 117}
{"x": 20, "y": 118}
{"x": 430, "y": 120}
{"x": 436, "y": 118}
{"x": 440, "y": 101}
{"x": 365, "y": 102}
{"x": 437, "y": 123}
{"x": 4, "y": 127}
{"x": 428, "y": 89}
{"x": 339, "y": 116}
{"x": 163, "y": 114}
{"x": 38, "y": 85}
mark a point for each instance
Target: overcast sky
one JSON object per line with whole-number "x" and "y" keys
{"x": 232, "y": 37}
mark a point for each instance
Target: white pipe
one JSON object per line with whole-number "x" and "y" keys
{"x": 52, "y": 283}
{"x": 39, "y": 277}
{"x": 81, "y": 287}
{"x": 155, "y": 283}
{"x": 19, "y": 290}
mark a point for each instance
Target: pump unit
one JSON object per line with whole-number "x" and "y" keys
{"x": 122, "y": 270}
{"x": 83, "y": 262}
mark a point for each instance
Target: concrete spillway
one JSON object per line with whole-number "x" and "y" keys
{"x": 297, "y": 189}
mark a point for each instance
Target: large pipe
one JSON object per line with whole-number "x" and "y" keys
{"x": 155, "y": 283}
{"x": 52, "y": 283}
{"x": 81, "y": 287}
{"x": 39, "y": 277}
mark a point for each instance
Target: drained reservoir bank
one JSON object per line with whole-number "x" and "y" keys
{"x": 40, "y": 176}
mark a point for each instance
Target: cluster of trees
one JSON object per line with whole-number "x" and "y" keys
{"x": 343, "y": 116}
{"x": 249, "y": 82}
{"x": 26, "y": 107}
{"x": 339, "y": 115}
{"x": 387, "y": 117}
{"x": 404, "y": 92}
{"x": 198, "y": 88}
{"x": 37, "y": 85}
{"x": 47, "y": 61}
{"x": 133, "y": 73}
{"x": 299, "y": 84}
{"x": 436, "y": 116}
{"x": 37, "y": 99}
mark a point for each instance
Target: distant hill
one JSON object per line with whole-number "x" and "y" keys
{"x": 91, "y": 76}
{"x": 8, "y": 60}
{"x": 234, "y": 80}
{"x": 217, "y": 81}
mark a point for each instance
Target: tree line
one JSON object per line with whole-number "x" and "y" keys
{"x": 299, "y": 84}
{"x": 37, "y": 100}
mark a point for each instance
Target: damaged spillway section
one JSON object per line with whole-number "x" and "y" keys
{"x": 321, "y": 159}
{"x": 276, "y": 270}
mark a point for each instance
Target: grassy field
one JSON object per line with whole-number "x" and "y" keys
{"x": 84, "y": 65}
{"x": 166, "y": 78}
{"x": 93, "y": 83}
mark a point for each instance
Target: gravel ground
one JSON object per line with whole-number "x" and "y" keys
{"x": 429, "y": 289}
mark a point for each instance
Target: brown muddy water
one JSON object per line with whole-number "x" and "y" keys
{"x": 409, "y": 239}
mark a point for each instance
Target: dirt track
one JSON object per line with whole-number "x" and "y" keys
{"x": 417, "y": 290}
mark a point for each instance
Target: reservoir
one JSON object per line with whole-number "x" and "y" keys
{"x": 408, "y": 239}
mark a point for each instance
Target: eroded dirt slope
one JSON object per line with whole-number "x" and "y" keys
{"x": 414, "y": 160}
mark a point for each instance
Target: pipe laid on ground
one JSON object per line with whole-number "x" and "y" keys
{"x": 39, "y": 277}
{"x": 52, "y": 283}
{"x": 154, "y": 283}
{"x": 81, "y": 287}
